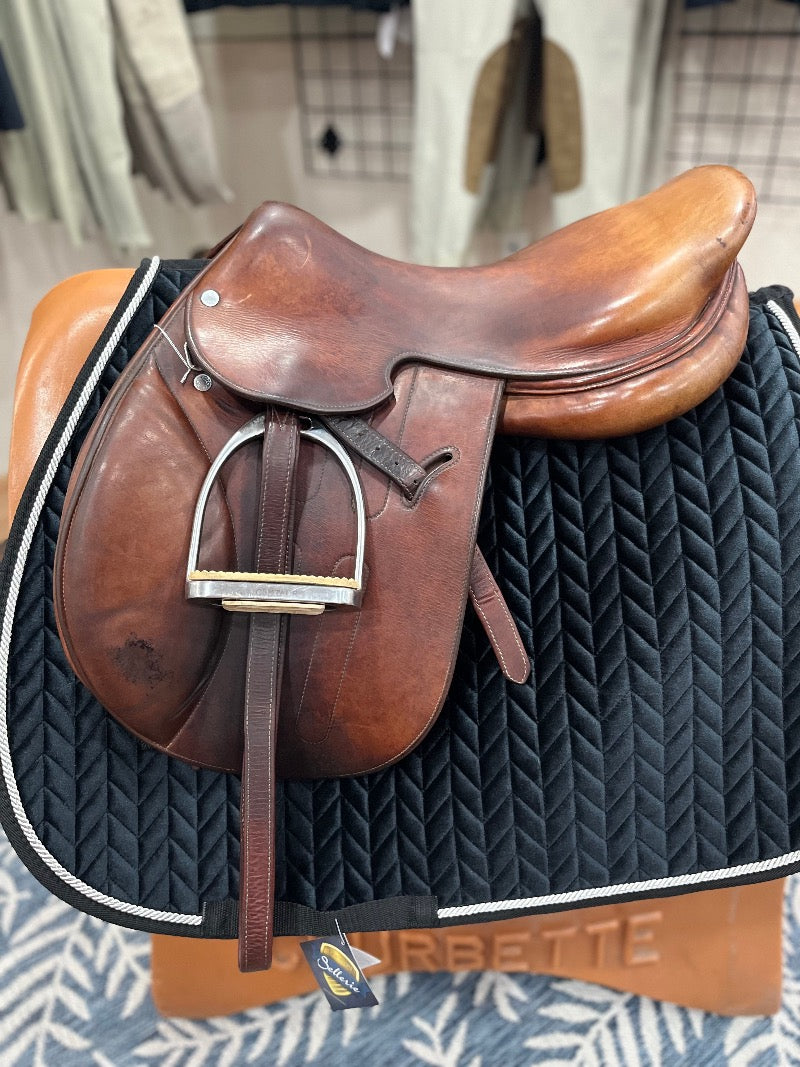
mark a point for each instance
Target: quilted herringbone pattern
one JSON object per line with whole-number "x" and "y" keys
{"x": 656, "y": 583}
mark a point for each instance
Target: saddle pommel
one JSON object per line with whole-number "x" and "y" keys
{"x": 615, "y": 323}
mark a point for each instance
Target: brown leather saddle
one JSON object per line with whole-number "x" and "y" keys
{"x": 268, "y": 541}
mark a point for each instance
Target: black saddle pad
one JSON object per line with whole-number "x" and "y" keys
{"x": 656, "y": 583}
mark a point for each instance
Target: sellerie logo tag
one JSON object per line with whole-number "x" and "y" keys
{"x": 337, "y": 973}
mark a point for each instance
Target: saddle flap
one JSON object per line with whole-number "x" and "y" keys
{"x": 170, "y": 668}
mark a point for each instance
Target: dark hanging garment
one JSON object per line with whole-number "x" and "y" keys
{"x": 10, "y": 114}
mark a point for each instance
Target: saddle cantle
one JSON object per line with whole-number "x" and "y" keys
{"x": 366, "y": 393}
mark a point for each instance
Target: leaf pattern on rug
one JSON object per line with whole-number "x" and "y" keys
{"x": 75, "y": 992}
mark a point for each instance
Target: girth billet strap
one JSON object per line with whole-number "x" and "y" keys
{"x": 265, "y": 658}
{"x": 497, "y": 621}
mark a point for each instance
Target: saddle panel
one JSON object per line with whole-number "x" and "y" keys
{"x": 606, "y": 301}
{"x": 124, "y": 619}
{"x": 369, "y": 704}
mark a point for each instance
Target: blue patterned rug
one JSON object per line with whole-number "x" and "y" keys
{"x": 74, "y": 992}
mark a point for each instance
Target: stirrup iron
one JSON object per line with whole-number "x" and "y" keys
{"x": 289, "y": 594}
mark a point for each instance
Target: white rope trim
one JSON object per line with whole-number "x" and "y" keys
{"x": 8, "y": 621}
{"x": 787, "y": 324}
{"x": 652, "y": 886}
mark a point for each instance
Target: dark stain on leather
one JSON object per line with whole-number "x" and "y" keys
{"x": 140, "y": 663}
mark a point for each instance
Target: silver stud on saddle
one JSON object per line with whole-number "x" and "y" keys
{"x": 289, "y": 594}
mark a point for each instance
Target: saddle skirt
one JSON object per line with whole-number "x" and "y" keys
{"x": 440, "y": 416}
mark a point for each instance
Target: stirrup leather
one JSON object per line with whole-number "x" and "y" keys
{"x": 286, "y": 594}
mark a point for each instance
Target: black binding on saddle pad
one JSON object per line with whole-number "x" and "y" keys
{"x": 655, "y": 750}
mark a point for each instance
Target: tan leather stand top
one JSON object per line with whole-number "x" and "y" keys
{"x": 65, "y": 326}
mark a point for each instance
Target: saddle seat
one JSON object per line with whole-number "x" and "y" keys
{"x": 588, "y": 327}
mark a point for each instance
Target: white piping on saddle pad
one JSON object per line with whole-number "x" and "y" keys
{"x": 5, "y": 635}
{"x": 653, "y": 886}
{"x": 786, "y": 322}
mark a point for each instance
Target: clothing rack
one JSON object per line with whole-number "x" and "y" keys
{"x": 355, "y": 106}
